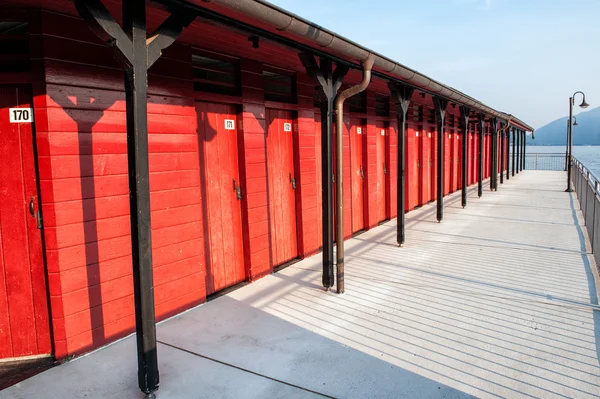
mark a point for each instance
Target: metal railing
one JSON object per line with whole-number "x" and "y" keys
{"x": 550, "y": 161}
{"x": 586, "y": 185}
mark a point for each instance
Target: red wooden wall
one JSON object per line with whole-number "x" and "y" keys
{"x": 81, "y": 143}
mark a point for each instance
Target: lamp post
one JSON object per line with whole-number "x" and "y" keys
{"x": 570, "y": 136}
{"x": 567, "y": 146}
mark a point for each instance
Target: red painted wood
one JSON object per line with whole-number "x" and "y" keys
{"x": 357, "y": 143}
{"x": 319, "y": 179}
{"x": 281, "y": 195}
{"x": 413, "y": 180}
{"x": 221, "y": 175}
{"x": 456, "y": 156}
{"x": 434, "y": 159}
{"x": 23, "y": 300}
{"x": 381, "y": 168}
{"x": 427, "y": 170}
{"x": 448, "y": 154}
{"x": 346, "y": 164}
{"x": 459, "y": 160}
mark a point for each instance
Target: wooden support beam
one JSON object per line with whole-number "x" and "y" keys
{"x": 329, "y": 82}
{"x": 480, "y": 160}
{"x": 494, "y": 155}
{"x": 136, "y": 53}
{"x": 401, "y": 95}
{"x": 440, "y": 105}
{"x": 464, "y": 126}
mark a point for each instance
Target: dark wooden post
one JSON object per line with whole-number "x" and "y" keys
{"x": 464, "y": 126}
{"x": 480, "y": 166}
{"x": 508, "y": 129}
{"x": 136, "y": 52}
{"x": 524, "y": 149}
{"x": 518, "y": 151}
{"x": 502, "y": 160}
{"x": 401, "y": 95}
{"x": 440, "y": 116}
{"x": 328, "y": 82}
{"x": 514, "y": 149}
{"x": 494, "y": 155}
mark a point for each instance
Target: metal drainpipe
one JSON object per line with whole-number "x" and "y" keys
{"x": 367, "y": 65}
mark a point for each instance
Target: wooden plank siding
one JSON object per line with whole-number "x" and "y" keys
{"x": 81, "y": 139}
{"x": 82, "y": 157}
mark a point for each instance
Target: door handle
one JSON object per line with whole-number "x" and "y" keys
{"x": 238, "y": 190}
{"x": 362, "y": 173}
{"x": 37, "y": 215}
{"x": 293, "y": 181}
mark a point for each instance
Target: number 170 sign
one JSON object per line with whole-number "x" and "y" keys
{"x": 21, "y": 115}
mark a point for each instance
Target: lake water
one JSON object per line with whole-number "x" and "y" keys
{"x": 587, "y": 155}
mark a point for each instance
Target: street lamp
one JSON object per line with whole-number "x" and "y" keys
{"x": 570, "y": 123}
{"x": 567, "y": 146}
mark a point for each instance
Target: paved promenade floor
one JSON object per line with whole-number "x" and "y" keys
{"x": 497, "y": 301}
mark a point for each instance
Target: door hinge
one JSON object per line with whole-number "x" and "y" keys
{"x": 238, "y": 190}
{"x": 362, "y": 173}
{"x": 384, "y": 169}
{"x": 36, "y": 214}
{"x": 333, "y": 178}
{"x": 293, "y": 181}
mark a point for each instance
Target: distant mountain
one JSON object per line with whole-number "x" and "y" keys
{"x": 555, "y": 133}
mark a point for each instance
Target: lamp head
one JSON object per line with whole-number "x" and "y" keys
{"x": 583, "y": 104}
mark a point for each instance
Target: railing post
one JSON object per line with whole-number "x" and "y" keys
{"x": 536, "y": 161}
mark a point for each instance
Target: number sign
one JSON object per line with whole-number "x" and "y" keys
{"x": 229, "y": 124}
{"x": 21, "y": 115}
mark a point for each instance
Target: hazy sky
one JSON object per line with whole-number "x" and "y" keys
{"x": 524, "y": 57}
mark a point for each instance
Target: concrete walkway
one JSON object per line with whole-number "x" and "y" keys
{"x": 499, "y": 300}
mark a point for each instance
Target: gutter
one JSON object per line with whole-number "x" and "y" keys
{"x": 367, "y": 66}
{"x": 285, "y": 21}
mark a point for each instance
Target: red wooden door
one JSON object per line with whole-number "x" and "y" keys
{"x": 426, "y": 166}
{"x": 473, "y": 158}
{"x": 357, "y": 167}
{"x": 346, "y": 164}
{"x": 217, "y": 134}
{"x": 477, "y": 156}
{"x": 319, "y": 179}
{"x": 459, "y": 161}
{"x": 281, "y": 186}
{"x": 488, "y": 153}
{"x": 413, "y": 163}
{"x": 24, "y": 322}
{"x": 448, "y": 147}
{"x": 457, "y": 157}
{"x": 381, "y": 168}
{"x": 433, "y": 160}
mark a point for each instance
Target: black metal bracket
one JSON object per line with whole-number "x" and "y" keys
{"x": 401, "y": 95}
{"x": 102, "y": 23}
{"x": 440, "y": 105}
{"x": 323, "y": 77}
